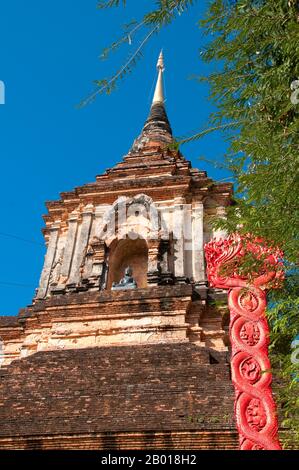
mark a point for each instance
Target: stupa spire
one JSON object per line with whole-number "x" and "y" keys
{"x": 159, "y": 90}
{"x": 157, "y": 120}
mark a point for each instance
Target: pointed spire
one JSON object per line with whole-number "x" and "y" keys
{"x": 159, "y": 90}
{"x": 156, "y": 127}
{"x": 158, "y": 120}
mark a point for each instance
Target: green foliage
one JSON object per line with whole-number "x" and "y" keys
{"x": 257, "y": 45}
{"x": 129, "y": 30}
{"x": 283, "y": 316}
{"x": 167, "y": 10}
{"x": 111, "y": 3}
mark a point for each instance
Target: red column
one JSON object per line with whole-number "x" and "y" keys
{"x": 255, "y": 410}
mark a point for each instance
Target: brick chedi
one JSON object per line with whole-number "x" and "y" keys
{"x": 91, "y": 366}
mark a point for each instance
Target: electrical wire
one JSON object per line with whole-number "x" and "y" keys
{"x": 16, "y": 237}
{"x": 15, "y": 284}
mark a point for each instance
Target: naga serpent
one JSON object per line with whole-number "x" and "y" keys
{"x": 255, "y": 410}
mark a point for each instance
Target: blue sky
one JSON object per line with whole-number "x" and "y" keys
{"x": 49, "y": 57}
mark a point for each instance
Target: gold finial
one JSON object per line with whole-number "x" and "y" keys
{"x": 160, "y": 63}
{"x": 159, "y": 90}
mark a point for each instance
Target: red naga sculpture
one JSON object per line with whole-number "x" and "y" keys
{"x": 255, "y": 410}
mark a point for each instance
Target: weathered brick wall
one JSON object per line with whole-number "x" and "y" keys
{"x": 87, "y": 319}
{"x": 180, "y": 440}
{"x": 142, "y": 390}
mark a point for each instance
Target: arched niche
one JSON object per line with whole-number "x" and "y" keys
{"x": 137, "y": 214}
{"x": 128, "y": 252}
